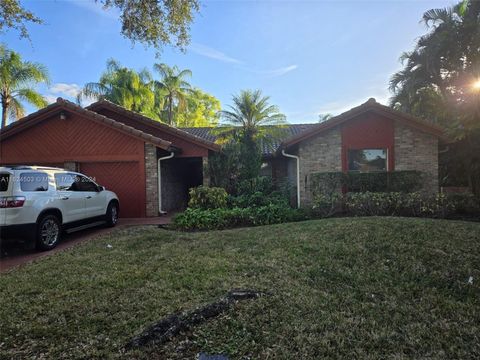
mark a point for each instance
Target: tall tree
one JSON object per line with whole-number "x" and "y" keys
{"x": 440, "y": 77}
{"x": 17, "y": 84}
{"x": 151, "y": 22}
{"x": 173, "y": 89}
{"x": 249, "y": 120}
{"x": 202, "y": 110}
{"x": 123, "y": 86}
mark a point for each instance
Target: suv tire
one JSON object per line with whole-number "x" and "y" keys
{"x": 111, "y": 216}
{"x": 49, "y": 231}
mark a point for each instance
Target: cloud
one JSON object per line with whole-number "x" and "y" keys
{"x": 50, "y": 98}
{"x": 212, "y": 53}
{"x": 70, "y": 90}
{"x": 278, "y": 72}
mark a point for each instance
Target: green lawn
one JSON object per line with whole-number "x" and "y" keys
{"x": 353, "y": 288}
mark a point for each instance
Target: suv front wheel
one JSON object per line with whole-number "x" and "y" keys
{"x": 112, "y": 214}
{"x": 49, "y": 230}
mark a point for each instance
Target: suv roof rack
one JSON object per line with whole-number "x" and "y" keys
{"x": 30, "y": 167}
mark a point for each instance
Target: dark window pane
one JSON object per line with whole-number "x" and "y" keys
{"x": 85, "y": 184}
{"x": 33, "y": 182}
{"x": 4, "y": 179}
{"x": 65, "y": 182}
{"x": 367, "y": 160}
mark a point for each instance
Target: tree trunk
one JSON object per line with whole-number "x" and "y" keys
{"x": 170, "y": 110}
{"x": 4, "y": 113}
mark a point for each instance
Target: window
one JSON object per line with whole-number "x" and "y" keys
{"x": 33, "y": 181}
{"x": 85, "y": 184}
{"x": 367, "y": 160}
{"x": 65, "y": 182}
{"x": 74, "y": 182}
{"x": 4, "y": 179}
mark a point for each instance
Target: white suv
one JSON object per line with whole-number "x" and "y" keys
{"x": 37, "y": 203}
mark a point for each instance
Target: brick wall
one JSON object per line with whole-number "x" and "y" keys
{"x": 416, "y": 150}
{"x": 318, "y": 154}
{"x": 151, "y": 180}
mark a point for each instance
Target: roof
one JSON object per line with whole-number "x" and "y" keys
{"x": 269, "y": 147}
{"x": 62, "y": 104}
{"x": 204, "y": 142}
{"x": 369, "y": 106}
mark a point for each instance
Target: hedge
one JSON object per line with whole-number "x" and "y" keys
{"x": 326, "y": 183}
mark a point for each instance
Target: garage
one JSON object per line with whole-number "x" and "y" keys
{"x": 118, "y": 148}
{"x": 123, "y": 178}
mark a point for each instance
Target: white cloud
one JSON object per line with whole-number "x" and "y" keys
{"x": 278, "y": 72}
{"x": 50, "y": 98}
{"x": 213, "y": 53}
{"x": 70, "y": 90}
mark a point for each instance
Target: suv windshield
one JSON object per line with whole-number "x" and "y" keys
{"x": 4, "y": 179}
{"x": 33, "y": 181}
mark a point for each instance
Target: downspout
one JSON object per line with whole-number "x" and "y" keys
{"x": 298, "y": 174}
{"x": 159, "y": 174}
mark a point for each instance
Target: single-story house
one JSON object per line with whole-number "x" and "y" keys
{"x": 151, "y": 165}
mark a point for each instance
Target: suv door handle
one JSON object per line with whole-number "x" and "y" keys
{"x": 88, "y": 197}
{"x": 64, "y": 198}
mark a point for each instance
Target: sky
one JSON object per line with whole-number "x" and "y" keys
{"x": 311, "y": 57}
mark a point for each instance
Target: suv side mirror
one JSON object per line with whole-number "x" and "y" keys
{"x": 100, "y": 188}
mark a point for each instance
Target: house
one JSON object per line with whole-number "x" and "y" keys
{"x": 151, "y": 165}
{"x": 119, "y": 149}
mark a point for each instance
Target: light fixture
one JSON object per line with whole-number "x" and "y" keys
{"x": 63, "y": 115}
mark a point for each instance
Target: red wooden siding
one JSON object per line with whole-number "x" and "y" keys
{"x": 114, "y": 158}
{"x": 125, "y": 179}
{"x": 368, "y": 131}
{"x": 77, "y": 138}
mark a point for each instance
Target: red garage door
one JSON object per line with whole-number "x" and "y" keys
{"x": 125, "y": 179}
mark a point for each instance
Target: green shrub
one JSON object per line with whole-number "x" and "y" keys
{"x": 214, "y": 219}
{"x": 327, "y": 183}
{"x": 327, "y": 205}
{"x": 260, "y": 184}
{"x": 204, "y": 197}
{"x": 409, "y": 204}
{"x": 392, "y": 181}
{"x": 405, "y": 181}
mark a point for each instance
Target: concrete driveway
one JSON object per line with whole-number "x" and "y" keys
{"x": 15, "y": 254}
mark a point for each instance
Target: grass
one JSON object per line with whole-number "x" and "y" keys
{"x": 370, "y": 288}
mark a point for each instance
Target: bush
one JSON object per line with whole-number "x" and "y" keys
{"x": 410, "y": 204}
{"x": 327, "y": 205}
{"x": 327, "y": 183}
{"x": 214, "y": 219}
{"x": 260, "y": 184}
{"x": 204, "y": 197}
{"x": 392, "y": 181}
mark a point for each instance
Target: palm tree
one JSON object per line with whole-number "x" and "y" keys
{"x": 248, "y": 122}
{"x": 123, "y": 86}
{"x": 17, "y": 81}
{"x": 251, "y": 114}
{"x": 172, "y": 89}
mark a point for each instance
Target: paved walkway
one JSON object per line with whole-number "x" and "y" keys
{"x": 13, "y": 255}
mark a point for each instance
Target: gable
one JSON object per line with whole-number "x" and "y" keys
{"x": 370, "y": 108}
{"x": 76, "y": 137}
